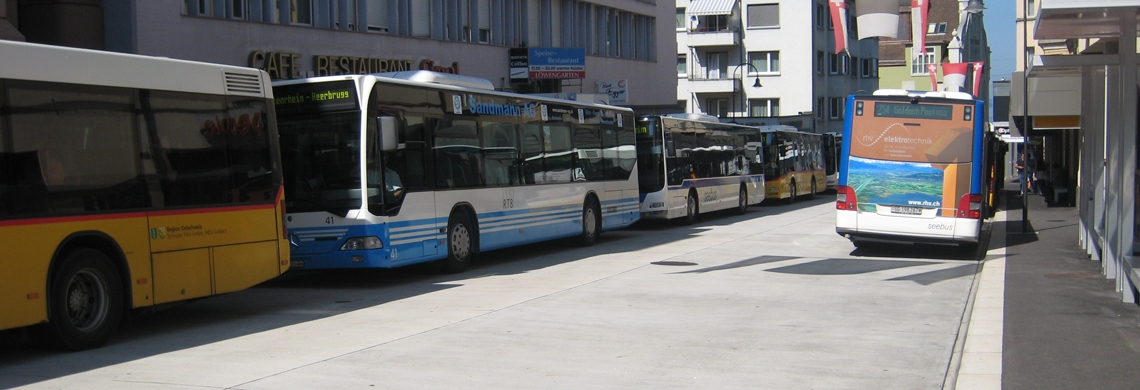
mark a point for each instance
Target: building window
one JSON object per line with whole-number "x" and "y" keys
{"x": 764, "y": 107}
{"x": 819, "y": 62}
{"x": 718, "y": 107}
{"x": 301, "y": 11}
{"x": 833, "y": 64}
{"x": 1032, "y": 11}
{"x": 377, "y": 15}
{"x": 918, "y": 65}
{"x": 836, "y": 109}
{"x": 844, "y": 64}
{"x": 681, "y": 20}
{"x": 936, "y": 28}
{"x": 682, "y": 65}
{"x": 765, "y": 61}
{"x": 820, "y": 16}
{"x": 819, "y": 108}
{"x": 867, "y": 67}
{"x": 763, "y": 15}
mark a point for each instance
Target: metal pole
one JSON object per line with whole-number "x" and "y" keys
{"x": 1025, "y": 145}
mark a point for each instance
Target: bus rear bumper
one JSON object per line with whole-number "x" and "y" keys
{"x": 872, "y": 227}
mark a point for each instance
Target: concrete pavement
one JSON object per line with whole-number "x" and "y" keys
{"x": 773, "y": 299}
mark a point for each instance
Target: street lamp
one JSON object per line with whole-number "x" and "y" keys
{"x": 755, "y": 84}
{"x": 975, "y": 6}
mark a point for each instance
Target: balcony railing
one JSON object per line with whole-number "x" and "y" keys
{"x": 700, "y": 38}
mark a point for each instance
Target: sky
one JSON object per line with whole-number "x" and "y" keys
{"x": 1001, "y": 22}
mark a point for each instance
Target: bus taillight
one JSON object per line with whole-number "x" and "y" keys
{"x": 845, "y": 198}
{"x": 970, "y": 206}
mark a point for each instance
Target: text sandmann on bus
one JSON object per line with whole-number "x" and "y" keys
{"x": 122, "y": 189}
{"x": 393, "y": 169}
{"x": 690, "y": 164}
{"x": 915, "y": 167}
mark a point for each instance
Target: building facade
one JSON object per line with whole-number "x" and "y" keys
{"x": 747, "y": 60}
{"x": 621, "y": 39}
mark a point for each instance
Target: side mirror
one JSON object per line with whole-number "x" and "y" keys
{"x": 388, "y": 139}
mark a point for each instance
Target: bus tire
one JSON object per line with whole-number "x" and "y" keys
{"x": 85, "y": 301}
{"x": 692, "y": 208}
{"x": 742, "y": 207}
{"x": 460, "y": 243}
{"x": 591, "y": 223}
{"x": 792, "y": 196}
{"x": 813, "y": 189}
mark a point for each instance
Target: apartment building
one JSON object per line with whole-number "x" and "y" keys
{"x": 748, "y": 60}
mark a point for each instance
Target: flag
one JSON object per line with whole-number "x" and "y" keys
{"x": 877, "y": 18}
{"x": 839, "y": 22}
{"x": 932, "y": 70}
{"x": 977, "y": 76}
{"x": 954, "y": 76}
{"x": 918, "y": 12}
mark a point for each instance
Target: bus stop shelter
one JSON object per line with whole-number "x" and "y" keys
{"x": 1105, "y": 77}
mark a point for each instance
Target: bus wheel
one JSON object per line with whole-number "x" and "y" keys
{"x": 813, "y": 189}
{"x": 692, "y": 208}
{"x": 85, "y": 301}
{"x": 792, "y": 198}
{"x": 591, "y": 224}
{"x": 459, "y": 243}
{"x": 743, "y": 206}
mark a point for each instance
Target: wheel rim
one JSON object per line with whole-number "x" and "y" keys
{"x": 590, "y": 222}
{"x": 86, "y": 300}
{"x": 460, "y": 242}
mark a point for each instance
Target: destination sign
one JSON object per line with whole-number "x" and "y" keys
{"x": 315, "y": 97}
{"x": 916, "y": 111}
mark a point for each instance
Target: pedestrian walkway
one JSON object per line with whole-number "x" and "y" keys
{"x": 1063, "y": 325}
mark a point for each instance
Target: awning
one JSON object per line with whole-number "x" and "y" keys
{"x": 711, "y": 7}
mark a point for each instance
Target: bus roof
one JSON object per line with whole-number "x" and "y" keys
{"x": 924, "y": 94}
{"x": 420, "y": 82}
{"x": 30, "y": 61}
{"x": 427, "y": 76}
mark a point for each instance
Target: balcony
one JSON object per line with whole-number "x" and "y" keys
{"x": 703, "y": 84}
{"x": 705, "y": 38}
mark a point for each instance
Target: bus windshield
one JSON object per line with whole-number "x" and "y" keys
{"x": 322, "y": 152}
{"x": 649, "y": 156}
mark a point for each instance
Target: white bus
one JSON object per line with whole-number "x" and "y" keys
{"x": 917, "y": 167}
{"x": 393, "y": 169}
{"x": 690, "y": 164}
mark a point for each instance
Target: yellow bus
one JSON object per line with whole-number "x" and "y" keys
{"x": 793, "y": 163}
{"x": 129, "y": 181}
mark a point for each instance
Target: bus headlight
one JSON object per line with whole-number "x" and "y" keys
{"x": 362, "y": 243}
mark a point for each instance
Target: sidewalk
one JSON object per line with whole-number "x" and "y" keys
{"x": 1065, "y": 327}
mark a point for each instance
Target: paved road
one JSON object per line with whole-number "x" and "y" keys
{"x": 772, "y": 299}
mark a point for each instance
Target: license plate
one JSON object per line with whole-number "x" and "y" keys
{"x": 906, "y": 210}
{"x": 297, "y": 264}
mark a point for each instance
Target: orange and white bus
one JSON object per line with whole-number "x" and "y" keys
{"x": 129, "y": 181}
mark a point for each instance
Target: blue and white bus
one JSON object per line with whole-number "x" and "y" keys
{"x": 691, "y": 163}
{"x": 915, "y": 167}
{"x": 393, "y": 169}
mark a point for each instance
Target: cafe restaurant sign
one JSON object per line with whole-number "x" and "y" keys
{"x": 282, "y": 65}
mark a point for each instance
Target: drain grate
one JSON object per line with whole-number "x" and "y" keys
{"x": 674, "y": 263}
